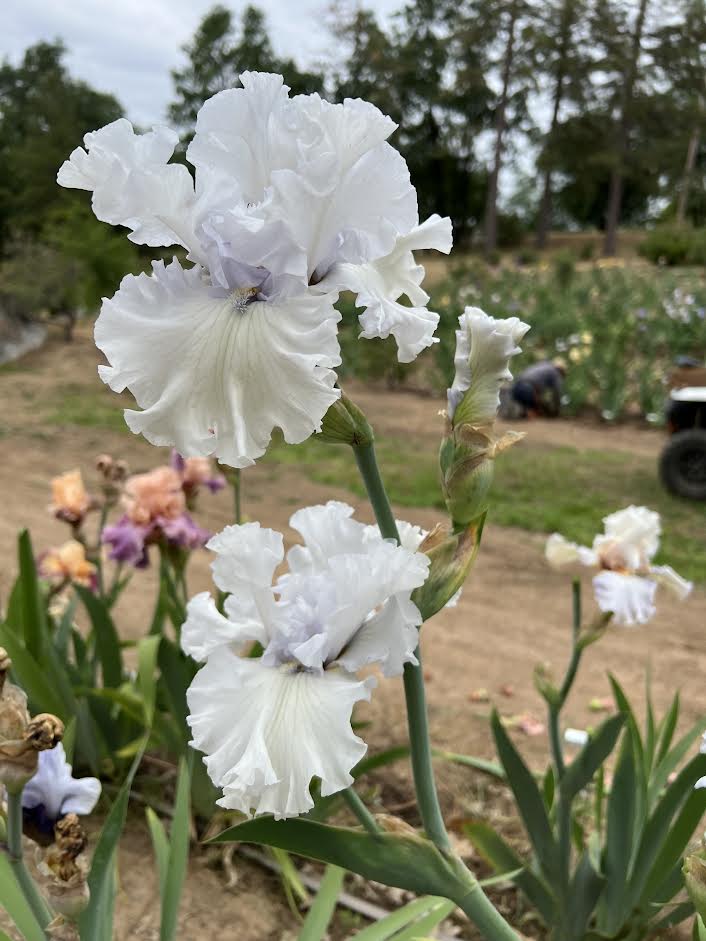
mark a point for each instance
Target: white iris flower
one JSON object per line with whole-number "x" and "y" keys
{"x": 270, "y": 724}
{"x": 484, "y": 347}
{"x": 294, "y": 200}
{"x": 627, "y": 582}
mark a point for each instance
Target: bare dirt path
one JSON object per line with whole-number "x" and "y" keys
{"x": 513, "y": 613}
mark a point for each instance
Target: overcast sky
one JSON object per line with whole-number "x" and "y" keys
{"x": 127, "y": 47}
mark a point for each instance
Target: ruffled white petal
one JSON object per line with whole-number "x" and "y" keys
{"x": 363, "y": 583}
{"x": 484, "y": 347}
{"x": 340, "y": 214}
{"x": 133, "y": 184}
{"x": 246, "y": 556}
{"x": 267, "y": 732}
{"x": 346, "y": 130}
{"x": 113, "y": 147}
{"x": 380, "y": 284}
{"x": 411, "y": 536}
{"x": 327, "y": 530}
{"x": 389, "y": 637}
{"x": 629, "y": 597}
{"x": 206, "y": 629}
{"x": 244, "y": 133}
{"x": 213, "y": 379}
{"x": 666, "y": 576}
{"x": 635, "y": 531}
{"x": 54, "y": 788}
{"x": 559, "y": 552}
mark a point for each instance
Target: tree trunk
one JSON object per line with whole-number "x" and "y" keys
{"x": 491, "y": 201}
{"x": 689, "y": 163}
{"x": 545, "y": 206}
{"x": 615, "y": 196}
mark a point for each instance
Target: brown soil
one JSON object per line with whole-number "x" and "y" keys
{"x": 514, "y": 613}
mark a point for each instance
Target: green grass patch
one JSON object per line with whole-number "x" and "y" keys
{"x": 88, "y": 407}
{"x": 537, "y": 487}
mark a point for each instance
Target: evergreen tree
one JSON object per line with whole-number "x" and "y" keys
{"x": 412, "y": 72}
{"x": 44, "y": 114}
{"x": 218, "y": 53}
{"x": 620, "y": 30}
{"x": 504, "y": 32}
{"x": 680, "y": 56}
{"x": 565, "y": 64}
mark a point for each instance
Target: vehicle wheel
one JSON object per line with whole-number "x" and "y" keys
{"x": 682, "y": 465}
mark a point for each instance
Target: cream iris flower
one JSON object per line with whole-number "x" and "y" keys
{"x": 627, "y": 582}
{"x": 270, "y": 724}
{"x": 294, "y": 199}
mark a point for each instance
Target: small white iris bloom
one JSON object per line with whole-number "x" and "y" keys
{"x": 627, "y": 582}
{"x": 294, "y": 199}
{"x": 55, "y": 790}
{"x": 270, "y": 724}
{"x": 484, "y": 347}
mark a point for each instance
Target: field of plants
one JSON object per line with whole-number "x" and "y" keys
{"x": 618, "y": 327}
{"x": 93, "y": 640}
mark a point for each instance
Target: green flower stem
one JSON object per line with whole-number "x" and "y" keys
{"x": 98, "y": 558}
{"x": 370, "y": 472}
{"x": 555, "y": 742}
{"x": 360, "y": 810}
{"x": 464, "y": 889}
{"x": 472, "y": 900}
{"x": 576, "y": 608}
{"x": 563, "y": 808}
{"x": 567, "y": 683}
{"x": 420, "y": 747}
{"x": 14, "y": 846}
{"x": 236, "y": 485}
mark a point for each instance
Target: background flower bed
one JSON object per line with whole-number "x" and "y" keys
{"x": 617, "y": 326}
{"x": 58, "y": 416}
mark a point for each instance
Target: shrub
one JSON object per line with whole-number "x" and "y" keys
{"x": 675, "y": 245}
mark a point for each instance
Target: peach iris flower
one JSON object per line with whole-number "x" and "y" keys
{"x": 68, "y": 563}
{"x": 70, "y": 501}
{"x": 197, "y": 472}
{"x": 158, "y": 493}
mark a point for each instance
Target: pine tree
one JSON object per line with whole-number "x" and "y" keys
{"x": 504, "y": 34}
{"x": 563, "y": 60}
{"x": 412, "y": 72}
{"x": 218, "y": 53}
{"x": 680, "y": 56}
{"x": 622, "y": 38}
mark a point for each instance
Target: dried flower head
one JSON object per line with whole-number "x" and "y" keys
{"x": 63, "y": 869}
{"x": 21, "y": 737}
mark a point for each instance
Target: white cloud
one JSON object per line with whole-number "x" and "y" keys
{"x": 127, "y": 47}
